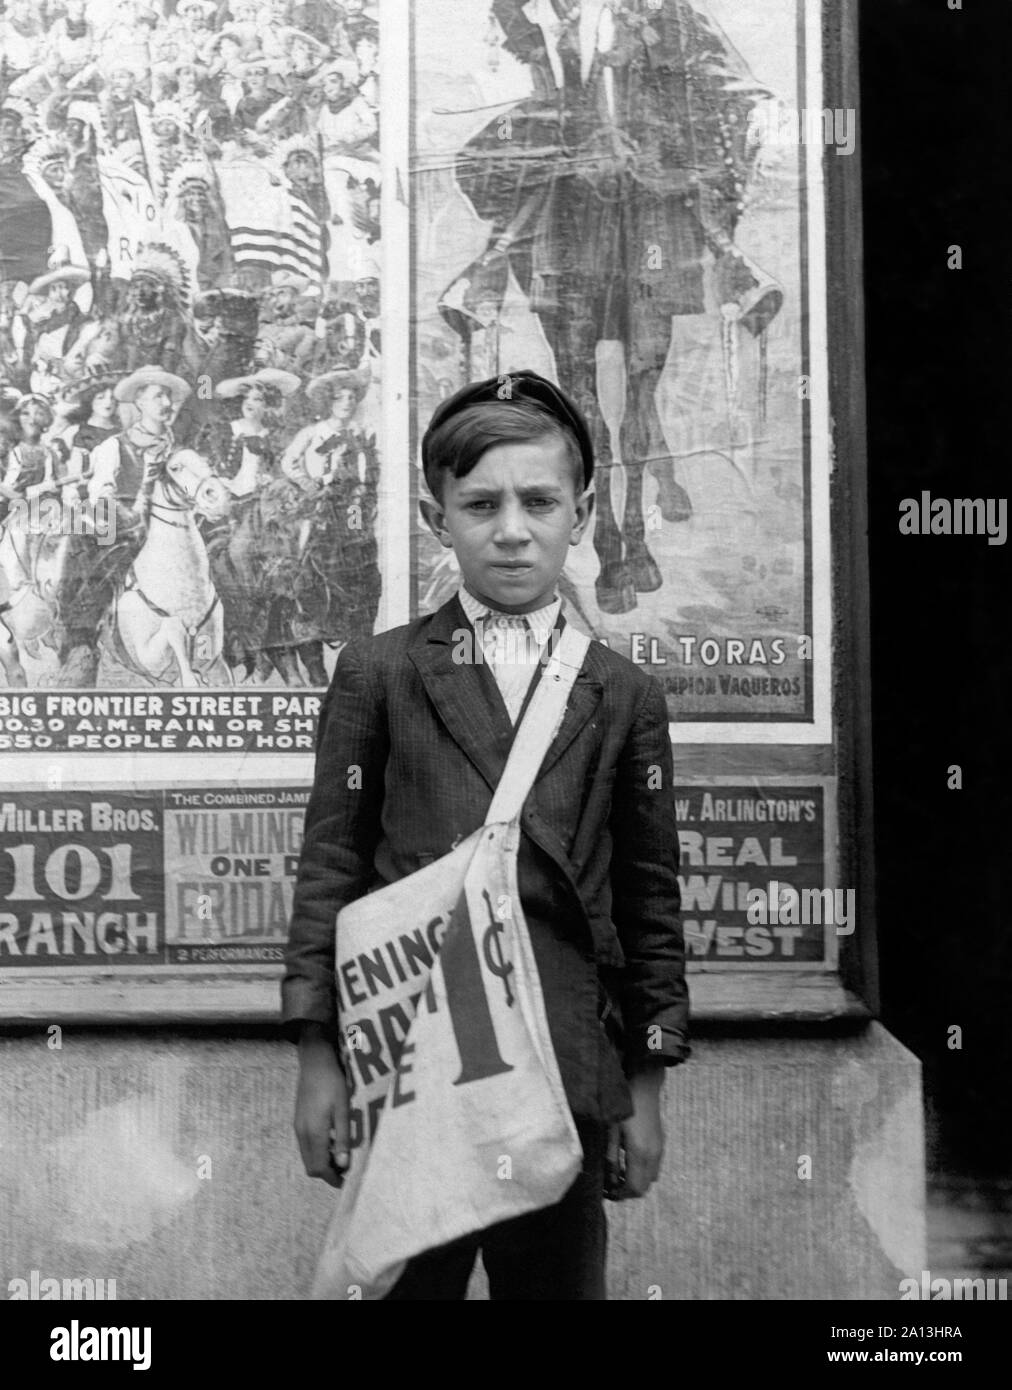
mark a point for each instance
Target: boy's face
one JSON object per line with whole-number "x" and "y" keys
{"x": 511, "y": 521}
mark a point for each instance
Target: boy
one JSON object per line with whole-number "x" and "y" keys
{"x": 598, "y": 857}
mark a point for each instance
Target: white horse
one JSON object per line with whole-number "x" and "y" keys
{"x": 168, "y": 616}
{"x": 33, "y": 551}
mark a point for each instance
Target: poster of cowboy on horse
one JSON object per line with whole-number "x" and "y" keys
{"x": 604, "y": 193}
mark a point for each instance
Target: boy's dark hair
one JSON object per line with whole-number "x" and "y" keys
{"x": 516, "y": 407}
{"x": 456, "y": 446}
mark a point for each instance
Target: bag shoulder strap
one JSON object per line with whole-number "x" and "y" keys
{"x": 538, "y": 726}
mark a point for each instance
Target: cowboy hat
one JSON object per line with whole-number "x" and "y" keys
{"x": 92, "y": 384}
{"x": 316, "y": 46}
{"x": 347, "y": 67}
{"x": 341, "y": 379}
{"x": 27, "y": 397}
{"x": 284, "y": 382}
{"x": 170, "y": 68}
{"x": 152, "y": 376}
{"x": 256, "y": 62}
{"x": 72, "y": 274}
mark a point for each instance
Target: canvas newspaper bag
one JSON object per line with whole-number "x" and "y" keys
{"x": 458, "y": 1114}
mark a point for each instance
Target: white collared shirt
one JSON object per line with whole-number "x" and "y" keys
{"x": 511, "y": 643}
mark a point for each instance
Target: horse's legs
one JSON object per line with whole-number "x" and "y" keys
{"x": 168, "y": 636}
{"x": 218, "y": 672}
{"x": 87, "y": 591}
{"x": 573, "y": 337}
{"x": 79, "y": 661}
{"x": 10, "y": 660}
{"x": 312, "y": 658}
{"x": 640, "y": 428}
{"x": 673, "y": 500}
{"x": 284, "y": 661}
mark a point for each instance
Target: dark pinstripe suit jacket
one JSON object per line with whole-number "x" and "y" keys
{"x": 599, "y": 851}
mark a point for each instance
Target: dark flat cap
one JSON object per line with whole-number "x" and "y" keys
{"x": 520, "y": 385}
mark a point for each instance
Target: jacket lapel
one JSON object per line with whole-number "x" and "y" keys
{"x": 458, "y": 694}
{"x": 583, "y": 701}
{"x": 465, "y": 697}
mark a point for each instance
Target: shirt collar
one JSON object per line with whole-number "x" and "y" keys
{"x": 541, "y": 622}
{"x": 144, "y": 439}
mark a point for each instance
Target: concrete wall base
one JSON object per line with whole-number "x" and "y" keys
{"x": 167, "y": 1163}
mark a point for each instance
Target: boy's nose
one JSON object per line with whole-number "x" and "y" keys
{"x": 512, "y": 526}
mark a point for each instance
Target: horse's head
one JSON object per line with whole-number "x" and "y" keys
{"x": 189, "y": 480}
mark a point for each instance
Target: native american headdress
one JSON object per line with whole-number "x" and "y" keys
{"x": 296, "y": 144}
{"x": 191, "y": 171}
{"x": 160, "y": 262}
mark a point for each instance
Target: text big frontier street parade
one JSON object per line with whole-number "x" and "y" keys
{"x": 189, "y": 340}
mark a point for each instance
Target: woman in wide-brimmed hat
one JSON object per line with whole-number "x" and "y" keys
{"x": 56, "y": 320}
{"x": 323, "y": 390}
{"x": 246, "y": 553}
{"x": 257, "y": 71}
{"x": 90, "y": 412}
{"x": 252, "y": 457}
{"x": 335, "y": 464}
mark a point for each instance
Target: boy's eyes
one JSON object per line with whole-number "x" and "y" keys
{"x": 488, "y": 504}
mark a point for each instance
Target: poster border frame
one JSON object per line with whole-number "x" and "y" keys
{"x": 211, "y": 996}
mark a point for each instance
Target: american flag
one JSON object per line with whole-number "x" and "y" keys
{"x": 269, "y": 225}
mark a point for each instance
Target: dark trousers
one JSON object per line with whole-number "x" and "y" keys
{"x": 552, "y": 1254}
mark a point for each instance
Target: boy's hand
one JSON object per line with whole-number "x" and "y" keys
{"x": 636, "y": 1145}
{"x": 321, "y": 1108}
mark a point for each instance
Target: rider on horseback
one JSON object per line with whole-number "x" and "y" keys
{"x": 124, "y": 468}
{"x": 242, "y": 563}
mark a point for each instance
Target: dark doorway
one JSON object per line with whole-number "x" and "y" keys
{"x": 936, "y": 161}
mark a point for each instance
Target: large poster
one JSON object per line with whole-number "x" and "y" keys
{"x": 611, "y": 195}
{"x": 190, "y": 249}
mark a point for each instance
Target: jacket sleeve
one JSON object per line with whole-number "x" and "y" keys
{"x": 342, "y": 829}
{"x": 652, "y": 993}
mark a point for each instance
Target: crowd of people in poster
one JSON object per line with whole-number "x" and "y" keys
{"x": 189, "y": 339}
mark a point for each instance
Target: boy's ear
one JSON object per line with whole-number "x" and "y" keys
{"x": 435, "y": 520}
{"x": 584, "y": 511}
